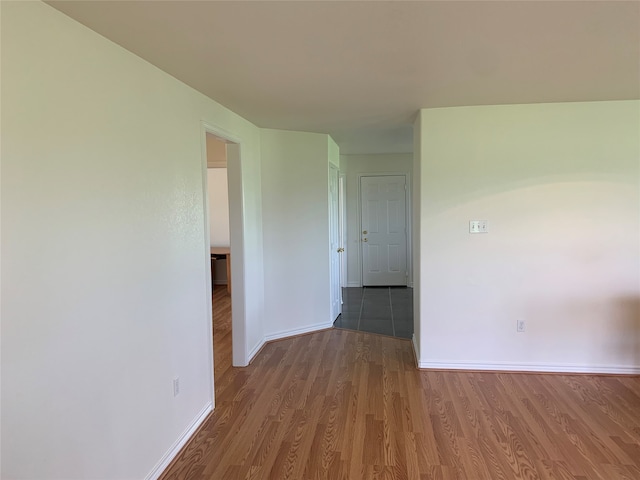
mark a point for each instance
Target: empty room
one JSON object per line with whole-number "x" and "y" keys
{"x": 430, "y": 260}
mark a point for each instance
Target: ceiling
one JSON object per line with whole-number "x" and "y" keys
{"x": 360, "y": 71}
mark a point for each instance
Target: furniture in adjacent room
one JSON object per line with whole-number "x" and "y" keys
{"x": 219, "y": 253}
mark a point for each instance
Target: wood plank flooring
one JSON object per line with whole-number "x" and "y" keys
{"x": 349, "y": 405}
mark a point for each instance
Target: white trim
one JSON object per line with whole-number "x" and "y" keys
{"x": 354, "y": 284}
{"x": 416, "y": 350}
{"x": 254, "y": 351}
{"x": 237, "y": 228}
{"x": 207, "y": 262}
{"x": 532, "y": 367}
{"x": 342, "y": 207}
{"x": 333, "y": 314}
{"x": 297, "y": 331}
{"x": 220, "y": 133}
{"x": 408, "y": 198}
{"x": 168, "y": 457}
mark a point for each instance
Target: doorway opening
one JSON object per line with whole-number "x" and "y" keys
{"x": 383, "y": 303}
{"x": 220, "y": 253}
{"x": 225, "y": 277}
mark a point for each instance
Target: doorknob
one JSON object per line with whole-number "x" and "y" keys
{"x": 364, "y": 232}
{"x": 365, "y": 240}
{"x": 340, "y": 250}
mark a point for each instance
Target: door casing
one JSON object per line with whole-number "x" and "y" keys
{"x": 334, "y": 243}
{"x": 236, "y": 234}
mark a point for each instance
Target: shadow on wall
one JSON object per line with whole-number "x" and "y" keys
{"x": 627, "y": 325}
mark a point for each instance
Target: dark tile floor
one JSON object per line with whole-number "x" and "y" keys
{"x": 385, "y": 310}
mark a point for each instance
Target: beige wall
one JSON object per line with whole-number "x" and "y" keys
{"x": 352, "y": 166}
{"x": 559, "y": 186}
{"x": 102, "y": 163}
{"x": 296, "y": 231}
{"x": 104, "y": 253}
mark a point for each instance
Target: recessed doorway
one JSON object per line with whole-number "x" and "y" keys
{"x": 225, "y": 286}
{"x": 220, "y": 253}
{"x": 384, "y": 232}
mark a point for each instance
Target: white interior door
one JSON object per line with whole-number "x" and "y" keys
{"x": 384, "y": 230}
{"x": 334, "y": 244}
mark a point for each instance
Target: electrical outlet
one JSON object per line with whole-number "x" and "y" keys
{"x": 520, "y": 326}
{"x": 176, "y": 386}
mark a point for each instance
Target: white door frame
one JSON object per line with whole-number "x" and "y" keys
{"x": 342, "y": 182}
{"x": 334, "y": 244}
{"x": 408, "y": 214}
{"x": 236, "y": 236}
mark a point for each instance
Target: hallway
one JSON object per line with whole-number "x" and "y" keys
{"x": 383, "y": 310}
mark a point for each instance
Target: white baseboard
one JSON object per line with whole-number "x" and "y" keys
{"x": 532, "y": 367}
{"x": 181, "y": 442}
{"x": 297, "y": 331}
{"x": 254, "y": 351}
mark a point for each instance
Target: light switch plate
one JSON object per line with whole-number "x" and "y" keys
{"x": 478, "y": 226}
